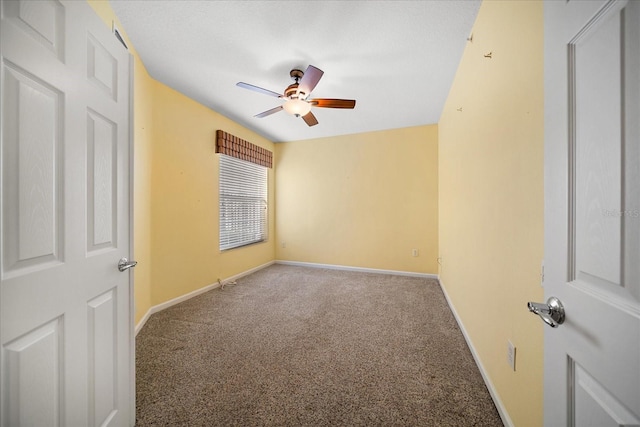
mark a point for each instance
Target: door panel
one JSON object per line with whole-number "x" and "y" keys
{"x": 34, "y": 372}
{"x": 101, "y": 185}
{"x": 103, "y": 366}
{"x": 595, "y": 61}
{"x": 32, "y": 164}
{"x": 43, "y": 22}
{"x": 102, "y": 69}
{"x": 595, "y": 405}
{"x": 597, "y": 83}
{"x": 66, "y": 328}
{"x": 592, "y": 220}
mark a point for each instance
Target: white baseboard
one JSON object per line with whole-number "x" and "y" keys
{"x": 360, "y": 269}
{"x": 506, "y": 420}
{"x": 182, "y": 298}
{"x": 143, "y": 320}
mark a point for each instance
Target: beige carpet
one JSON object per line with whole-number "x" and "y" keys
{"x": 296, "y": 346}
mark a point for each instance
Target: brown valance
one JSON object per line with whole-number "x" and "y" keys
{"x": 241, "y": 149}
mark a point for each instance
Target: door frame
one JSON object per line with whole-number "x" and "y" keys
{"x": 132, "y": 304}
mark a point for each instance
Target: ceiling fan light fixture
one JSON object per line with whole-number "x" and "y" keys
{"x": 297, "y": 107}
{"x": 296, "y": 96}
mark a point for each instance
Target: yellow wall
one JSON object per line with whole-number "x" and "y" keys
{"x": 184, "y": 189}
{"x": 491, "y": 198}
{"x": 142, "y": 126}
{"x": 363, "y": 200}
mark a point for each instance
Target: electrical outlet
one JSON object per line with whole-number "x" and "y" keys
{"x": 511, "y": 355}
{"x": 414, "y": 252}
{"x": 284, "y": 244}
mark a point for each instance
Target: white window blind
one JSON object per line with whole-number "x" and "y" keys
{"x": 243, "y": 202}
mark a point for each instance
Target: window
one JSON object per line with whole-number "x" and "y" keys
{"x": 243, "y": 202}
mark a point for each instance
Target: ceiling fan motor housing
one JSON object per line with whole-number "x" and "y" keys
{"x": 291, "y": 92}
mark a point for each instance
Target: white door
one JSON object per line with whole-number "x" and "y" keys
{"x": 592, "y": 212}
{"x": 66, "y": 330}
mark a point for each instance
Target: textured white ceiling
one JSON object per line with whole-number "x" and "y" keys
{"x": 396, "y": 58}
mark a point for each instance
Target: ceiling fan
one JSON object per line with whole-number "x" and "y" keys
{"x": 297, "y": 94}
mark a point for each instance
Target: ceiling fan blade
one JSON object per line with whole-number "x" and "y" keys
{"x": 269, "y": 112}
{"x": 310, "y": 119}
{"x": 333, "y": 103}
{"x": 258, "y": 89}
{"x": 310, "y": 79}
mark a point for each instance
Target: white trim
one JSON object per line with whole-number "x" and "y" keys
{"x": 182, "y": 298}
{"x": 144, "y": 320}
{"x": 506, "y": 420}
{"x": 360, "y": 269}
{"x": 132, "y": 301}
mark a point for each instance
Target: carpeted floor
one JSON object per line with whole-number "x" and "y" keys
{"x": 296, "y": 346}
